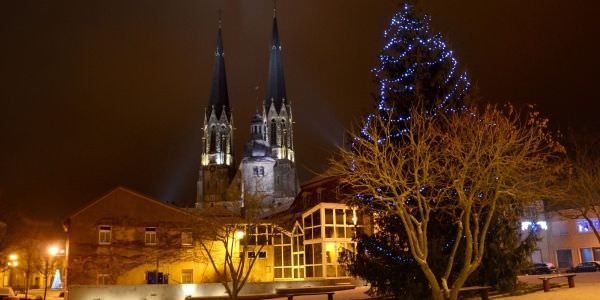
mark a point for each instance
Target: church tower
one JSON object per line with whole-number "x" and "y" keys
{"x": 278, "y": 108}
{"x": 217, "y": 165}
{"x": 279, "y": 122}
{"x": 267, "y": 171}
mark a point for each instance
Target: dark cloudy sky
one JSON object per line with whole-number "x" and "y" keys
{"x": 96, "y": 94}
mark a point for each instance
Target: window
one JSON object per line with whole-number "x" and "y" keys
{"x": 187, "y": 238}
{"x": 534, "y": 226}
{"x": 560, "y": 228}
{"x": 104, "y": 235}
{"x": 187, "y": 276}
{"x": 103, "y": 279}
{"x": 282, "y": 254}
{"x": 258, "y": 171}
{"x": 586, "y": 254}
{"x": 258, "y": 234}
{"x": 564, "y": 258}
{"x": 583, "y": 226}
{"x": 213, "y": 141}
{"x": 313, "y": 260}
{"x": 150, "y": 236}
{"x": 536, "y": 256}
{"x": 274, "y": 133}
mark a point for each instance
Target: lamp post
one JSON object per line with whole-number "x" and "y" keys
{"x": 12, "y": 262}
{"x": 52, "y": 251}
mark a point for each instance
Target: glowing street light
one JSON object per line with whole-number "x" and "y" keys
{"x": 13, "y": 257}
{"x": 53, "y": 250}
{"x": 239, "y": 234}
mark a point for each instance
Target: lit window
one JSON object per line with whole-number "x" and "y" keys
{"x": 187, "y": 276}
{"x": 150, "y": 236}
{"x": 187, "y": 238}
{"x": 104, "y": 235}
{"x": 526, "y": 225}
{"x": 542, "y": 224}
{"x": 583, "y": 226}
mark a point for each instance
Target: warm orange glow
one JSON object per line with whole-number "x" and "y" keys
{"x": 53, "y": 250}
{"x": 239, "y": 234}
{"x": 13, "y": 257}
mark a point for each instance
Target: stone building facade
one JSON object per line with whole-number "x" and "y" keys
{"x": 267, "y": 168}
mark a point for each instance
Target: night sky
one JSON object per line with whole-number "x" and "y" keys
{"x": 96, "y": 94}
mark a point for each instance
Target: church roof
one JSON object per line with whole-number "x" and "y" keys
{"x": 276, "y": 83}
{"x": 219, "y": 98}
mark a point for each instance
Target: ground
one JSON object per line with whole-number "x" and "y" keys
{"x": 587, "y": 287}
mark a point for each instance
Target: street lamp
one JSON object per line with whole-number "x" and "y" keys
{"x": 12, "y": 262}
{"x": 52, "y": 251}
{"x": 239, "y": 234}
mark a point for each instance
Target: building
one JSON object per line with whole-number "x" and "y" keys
{"x": 267, "y": 168}
{"x": 299, "y": 236}
{"x": 565, "y": 242}
{"x": 119, "y": 246}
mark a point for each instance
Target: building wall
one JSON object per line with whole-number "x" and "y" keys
{"x": 563, "y": 236}
{"x": 255, "y": 181}
{"x": 127, "y": 256}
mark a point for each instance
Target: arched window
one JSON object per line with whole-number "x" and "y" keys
{"x": 273, "y": 133}
{"x": 224, "y": 140}
{"x": 212, "y": 143}
{"x": 283, "y": 133}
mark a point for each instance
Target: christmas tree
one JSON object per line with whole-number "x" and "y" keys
{"x": 417, "y": 70}
{"x": 415, "y": 66}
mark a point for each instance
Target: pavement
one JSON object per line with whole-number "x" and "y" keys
{"x": 587, "y": 287}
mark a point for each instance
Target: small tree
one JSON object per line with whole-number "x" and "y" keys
{"x": 227, "y": 238}
{"x": 463, "y": 166}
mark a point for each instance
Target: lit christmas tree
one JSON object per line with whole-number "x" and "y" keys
{"x": 415, "y": 65}
{"x": 418, "y": 70}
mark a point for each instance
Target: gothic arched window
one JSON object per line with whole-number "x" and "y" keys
{"x": 212, "y": 143}
{"x": 283, "y": 133}
{"x": 273, "y": 133}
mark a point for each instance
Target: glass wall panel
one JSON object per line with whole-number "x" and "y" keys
{"x": 328, "y": 216}
{"x": 316, "y": 217}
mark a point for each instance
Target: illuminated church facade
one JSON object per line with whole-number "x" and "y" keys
{"x": 267, "y": 167}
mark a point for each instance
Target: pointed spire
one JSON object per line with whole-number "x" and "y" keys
{"x": 257, "y": 101}
{"x": 276, "y": 82}
{"x": 219, "y": 98}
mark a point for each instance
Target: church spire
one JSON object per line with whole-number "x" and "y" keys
{"x": 219, "y": 98}
{"x": 276, "y": 83}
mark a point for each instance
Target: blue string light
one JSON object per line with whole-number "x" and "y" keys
{"x": 409, "y": 50}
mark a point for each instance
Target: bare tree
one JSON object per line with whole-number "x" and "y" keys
{"x": 228, "y": 238}
{"x": 465, "y": 165}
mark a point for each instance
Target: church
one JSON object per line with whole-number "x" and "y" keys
{"x": 148, "y": 241}
{"x": 267, "y": 169}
